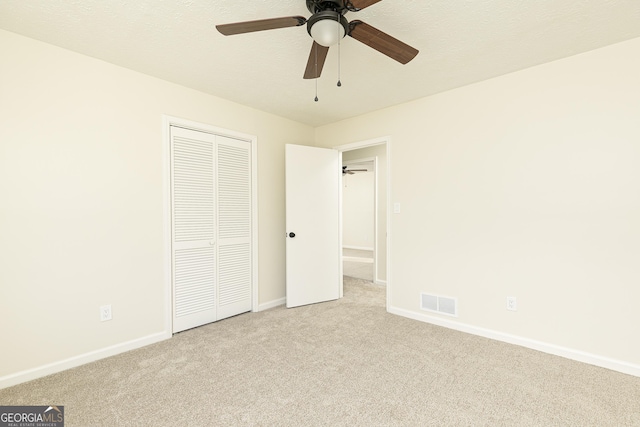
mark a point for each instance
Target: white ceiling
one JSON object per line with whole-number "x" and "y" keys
{"x": 460, "y": 42}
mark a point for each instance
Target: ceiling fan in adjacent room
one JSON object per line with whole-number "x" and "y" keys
{"x": 346, "y": 171}
{"x": 327, "y": 26}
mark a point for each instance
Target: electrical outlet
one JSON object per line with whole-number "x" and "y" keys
{"x": 105, "y": 313}
{"x": 512, "y": 304}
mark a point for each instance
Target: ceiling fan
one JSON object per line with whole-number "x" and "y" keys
{"x": 346, "y": 171}
{"x": 327, "y": 26}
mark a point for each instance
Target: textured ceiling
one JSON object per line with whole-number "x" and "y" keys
{"x": 460, "y": 42}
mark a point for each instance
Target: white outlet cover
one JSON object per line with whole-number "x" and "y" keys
{"x": 512, "y": 304}
{"x": 105, "y": 313}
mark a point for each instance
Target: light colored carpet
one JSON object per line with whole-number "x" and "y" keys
{"x": 342, "y": 363}
{"x": 358, "y": 270}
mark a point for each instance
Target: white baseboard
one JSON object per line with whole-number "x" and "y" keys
{"x": 568, "y": 353}
{"x": 272, "y": 304}
{"x": 357, "y": 259}
{"x": 72, "y": 362}
{"x": 357, "y": 248}
{"x": 380, "y": 282}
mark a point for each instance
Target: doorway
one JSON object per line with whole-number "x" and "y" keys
{"x": 377, "y": 150}
{"x": 359, "y": 215}
{"x": 315, "y": 161}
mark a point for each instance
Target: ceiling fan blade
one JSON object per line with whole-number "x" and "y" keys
{"x": 361, "y": 4}
{"x": 316, "y": 61}
{"x": 382, "y": 42}
{"x": 260, "y": 25}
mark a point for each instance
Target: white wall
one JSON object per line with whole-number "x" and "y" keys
{"x": 525, "y": 185}
{"x": 81, "y": 213}
{"x": 358, "y": 210}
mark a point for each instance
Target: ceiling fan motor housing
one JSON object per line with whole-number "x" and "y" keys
{"x": 316, "y": 6}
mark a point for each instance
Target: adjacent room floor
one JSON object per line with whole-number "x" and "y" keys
{"x": 358, "y": 263}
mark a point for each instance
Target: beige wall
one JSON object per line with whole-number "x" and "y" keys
{"x": 525, "y": 185}
{"x": 81, "y": 184}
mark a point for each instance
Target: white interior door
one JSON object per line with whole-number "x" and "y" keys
{"x": 312, "y": 224}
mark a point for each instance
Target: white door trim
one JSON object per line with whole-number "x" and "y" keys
{"x": 167, "y": 122}
{"x": 363, "y": 144}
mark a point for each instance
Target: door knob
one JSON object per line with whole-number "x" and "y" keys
{"x": 292, "y": 234}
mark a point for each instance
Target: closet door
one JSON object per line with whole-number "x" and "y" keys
{"x": 211, "y": 227}
{"x": 234, "y": 226}
{"x": 193, "y": 228}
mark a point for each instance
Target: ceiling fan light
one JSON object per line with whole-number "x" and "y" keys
{"x": 327, "y": 32}
{"x": 327, "y": 28}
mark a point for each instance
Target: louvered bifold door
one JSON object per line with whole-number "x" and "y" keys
{"x": 193, "y": 227}
{"x": 234, "y": 226}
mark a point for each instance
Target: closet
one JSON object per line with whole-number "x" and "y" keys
{"x": 211, "y": 217}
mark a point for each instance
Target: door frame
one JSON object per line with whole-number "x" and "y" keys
{"x": 356, "y": 146}
{"x": 167, "y": 122}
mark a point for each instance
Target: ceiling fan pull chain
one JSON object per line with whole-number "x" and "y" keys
{"x": 339, "y": 82}
{"x": 315, "y": 48}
